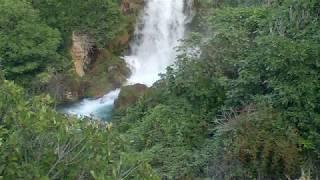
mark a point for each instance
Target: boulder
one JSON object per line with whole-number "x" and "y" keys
{"x": 129, "y": 95}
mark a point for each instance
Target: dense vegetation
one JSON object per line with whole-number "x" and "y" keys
{"x": 38, "y": 143}
{"x": 35, "y": 35}
{"x": 242, "y": 101}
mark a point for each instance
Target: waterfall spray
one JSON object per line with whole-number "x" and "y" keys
{"x": 161, "y": 26}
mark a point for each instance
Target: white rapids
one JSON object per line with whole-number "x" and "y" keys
{"x": 159, "y": 29}
{"x": 95, "y": 108}
{"x": 162, "y": 26}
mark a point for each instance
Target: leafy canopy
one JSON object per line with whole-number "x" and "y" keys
{"x": 27, "y": 45}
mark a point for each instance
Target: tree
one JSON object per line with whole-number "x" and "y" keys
{"x": 99, "y": 18}
{"x": 36, "y": 142}
{"x": 27, "y": 45}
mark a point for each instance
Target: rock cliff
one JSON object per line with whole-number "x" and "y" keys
{"x": 83, "y": 52}
{"x": 96, "y": 71}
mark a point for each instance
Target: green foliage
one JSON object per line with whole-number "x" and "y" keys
{"x": 27, "y": 45}
{"x": 99, "y": 18}
{"x": 258, "y": 60}
{"x": 254, "y": 143}
{"x": 38, "y": 143}
{"x": 167, "y": 134}
{"x": 242, "y": 101}
{"x": 35, "y": 36}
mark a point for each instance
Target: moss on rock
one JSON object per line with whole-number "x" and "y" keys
{"x": 106, "y": 70}
{"x": 130, "y": 95}
{"x": 109, "y": 72}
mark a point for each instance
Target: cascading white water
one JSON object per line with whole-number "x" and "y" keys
{"x": 162, "y": 26}
{"x": 96, "y": 108}
{"x": 158, "y": 32}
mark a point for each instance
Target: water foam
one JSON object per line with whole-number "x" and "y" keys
{"x": 161, "y": 26}
{"x": 95, "y": 108}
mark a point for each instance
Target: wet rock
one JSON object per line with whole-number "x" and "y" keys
{"x": 108, "y": 72}
{"x": 130, "y": 95}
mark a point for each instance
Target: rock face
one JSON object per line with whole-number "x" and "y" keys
{"x": 129, "y": 95}
{"x": 65, "y": 88}
{"x": 82, "y": 52}
{"x": 107, "y": 73}
{"x": 96, "y": 71}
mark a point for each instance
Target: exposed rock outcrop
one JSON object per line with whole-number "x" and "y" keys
{"x": 83, "y": 52}
{"x": 130, "y": 95}
{"x": 65, "y": 88}
{"x": 108, "y": 72}
{"x": 96, "y": 71}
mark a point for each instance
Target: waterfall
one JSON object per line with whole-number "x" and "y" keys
{"x": 159, "y": 29}
{"x": 158, "y": 33}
